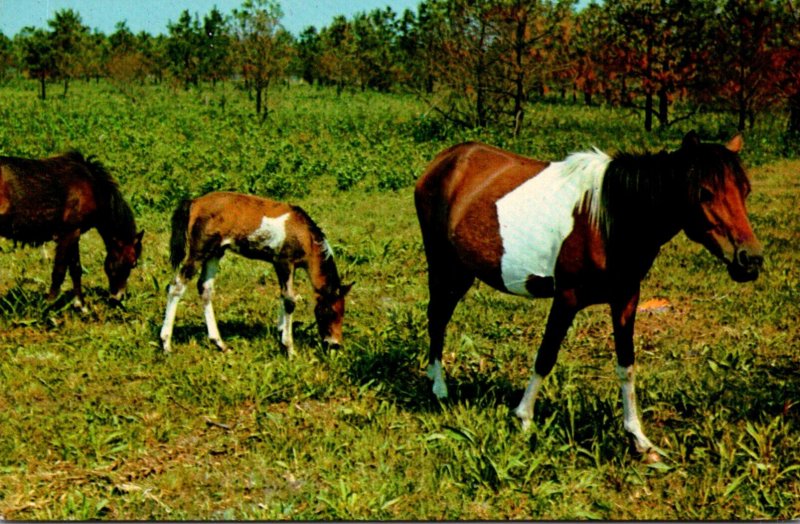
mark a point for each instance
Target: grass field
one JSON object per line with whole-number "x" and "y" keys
{"x": 95, "y": 422}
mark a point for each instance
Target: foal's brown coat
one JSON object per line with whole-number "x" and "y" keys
{"x": 259, "y": 228}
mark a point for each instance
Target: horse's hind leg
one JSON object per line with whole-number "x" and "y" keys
{"x": 176, "y": 290}
{"x": 205, "y": 286}
{"x": 286, "y": 306}
{"x": 562, "y": 313}
{"x": 448, "y": 281}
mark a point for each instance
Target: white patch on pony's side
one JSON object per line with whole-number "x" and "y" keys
{"x": 270, "y": 234}
{"x": 536, "y": 217}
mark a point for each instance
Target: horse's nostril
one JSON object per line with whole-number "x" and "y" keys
{"x": 742, "y": 258}
{"x": 747, "y": 260}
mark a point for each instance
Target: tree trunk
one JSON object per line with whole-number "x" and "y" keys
{"x": 258, "y": 98}
{"x": 663, "y": 108}
{"x": 794, "y": 114}
{"x": 66, "y": 86}
{"x": 648, "y": 112}
{"x": 742, "y": 110}
{"x": 43, "y": 88}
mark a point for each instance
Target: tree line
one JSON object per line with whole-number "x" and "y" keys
{"x": 476, "y": 62}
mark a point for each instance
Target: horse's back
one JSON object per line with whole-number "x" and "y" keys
{"x": 39, "y": 198}
{"x": 456, "y": 202}
{"x": 254, "y": 226}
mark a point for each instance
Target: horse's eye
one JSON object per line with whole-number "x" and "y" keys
{"x": 706, "y": 195}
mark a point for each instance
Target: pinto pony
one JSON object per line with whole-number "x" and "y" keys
{"x": 60, "y": 198}
{"x": 203, "y": 229}
{"x": 584, "y": 231}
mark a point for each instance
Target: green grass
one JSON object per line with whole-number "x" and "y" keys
{"x": 95, "y": 422}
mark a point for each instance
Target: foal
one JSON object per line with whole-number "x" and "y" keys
{"x": 259, "y": 228}
{"x": 583, "y": 231}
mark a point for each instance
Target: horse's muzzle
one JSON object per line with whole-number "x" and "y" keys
{"x": 745, "y": 266}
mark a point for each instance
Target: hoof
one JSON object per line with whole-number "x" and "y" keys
{"x": 220, "y": 345}
{"x": 651, "y": 456}
{"x": 525, "y": 421}
{"x": 440, "y": 390}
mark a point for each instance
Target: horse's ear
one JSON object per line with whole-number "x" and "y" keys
{"x": 691, "y": 139}
{"x": 344, "y": 289}
{"x": 735, "y": 144}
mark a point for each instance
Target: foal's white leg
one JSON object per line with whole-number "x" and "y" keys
{"x": 525, "y": 409}
{"x": 285, "y": 310}
{"x": 210, "y": 269}
{"x": 436, "y": 374}
{"x": 176, "y": 291}
{"x": 631, "y": 417}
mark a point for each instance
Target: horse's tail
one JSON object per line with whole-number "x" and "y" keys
{"x": 180, "y": 232}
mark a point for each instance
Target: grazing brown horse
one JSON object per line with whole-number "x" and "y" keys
{"x": 583, "y": 231}
{"x": 60, "y": 198}
{"x": 254, "y": 227}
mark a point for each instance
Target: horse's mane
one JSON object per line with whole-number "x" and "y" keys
{"x": 318, "y": 236}
{"x": 315, "y": 230}
{"x": 120, "y": 216}
{"x": 639, "y": 187}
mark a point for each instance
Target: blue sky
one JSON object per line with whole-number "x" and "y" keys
{"x": 153, "y": 15}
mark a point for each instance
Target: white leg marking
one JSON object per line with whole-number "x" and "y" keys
{"x": 287, "y": 340}
{"x": 285, "y": 317}
{"x": 630, "y": 416}
{"x": 176, "y": 291}
{"x": 525, "y": 409}
{"x": 435, "y": 373}
{"x": 77, "y": 303}
{"x": 210, "y": 269}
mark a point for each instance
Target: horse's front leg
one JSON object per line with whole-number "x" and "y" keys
{"x": 67, "y": 256}
{"x": 562, "y": 313}
{"x": 205, "y": 286}
{"x": 286, "y": 305}
{"x": 623, "y": 313}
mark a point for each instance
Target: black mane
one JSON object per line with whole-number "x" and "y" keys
{"x": 647, "y": 194}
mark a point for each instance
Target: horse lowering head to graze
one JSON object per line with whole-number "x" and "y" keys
{"x": 205, "y": 228}
{"x": 60, "y": 198}
{"x": 584, "y": 231}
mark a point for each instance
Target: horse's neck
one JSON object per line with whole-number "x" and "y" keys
{"x": 647, "y": 213}
{"x": 322, "y": 272}
{"x": 112, "y": 230}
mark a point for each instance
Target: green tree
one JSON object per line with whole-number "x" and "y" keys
{"x": 38, "y": 56}
{"x": 375, "y": 40}
{"x": 7, "y": 61}
{"x": 306, "y": 61}
{"x": 263, "y": 47}
{"x": 215, "y": 48}
{"x": 66, "y": 38}
{"x": 183, "y": 48}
